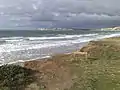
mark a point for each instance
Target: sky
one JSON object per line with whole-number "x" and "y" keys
{"x": 59, "y": 13}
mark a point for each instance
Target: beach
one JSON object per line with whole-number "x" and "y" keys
{"x": 21, "y": 45}
{"x": 92, "y": 65}
{"x": 59, "y": 45}
{"x": 98, "y": 69}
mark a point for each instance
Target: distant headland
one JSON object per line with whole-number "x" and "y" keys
{"x": 112, "y": 28}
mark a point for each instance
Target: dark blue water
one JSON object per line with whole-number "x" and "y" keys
{"x": 38, "y": 33}
{"x": 25, "y": 45}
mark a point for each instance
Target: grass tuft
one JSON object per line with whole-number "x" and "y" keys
{"x": 14, "y": 77}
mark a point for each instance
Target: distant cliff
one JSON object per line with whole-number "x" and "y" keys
{"x": 113, "y": 28}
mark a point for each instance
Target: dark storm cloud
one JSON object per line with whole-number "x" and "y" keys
{"x": 59, "y": 13}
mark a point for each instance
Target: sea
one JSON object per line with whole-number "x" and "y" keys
{"x": 25, "y": 45}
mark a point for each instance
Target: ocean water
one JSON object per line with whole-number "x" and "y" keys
{"x": 21, "y": 45}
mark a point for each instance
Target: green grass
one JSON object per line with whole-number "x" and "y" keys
{"x": 101, "y": 70}
{"x": 14, "y": 77}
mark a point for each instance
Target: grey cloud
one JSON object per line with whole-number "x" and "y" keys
{"x": 60, "y": 13}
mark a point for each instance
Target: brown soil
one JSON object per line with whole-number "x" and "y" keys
{"x": 52, "y": 73}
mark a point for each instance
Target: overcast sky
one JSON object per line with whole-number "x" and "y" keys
{"x": 59, "y": 13}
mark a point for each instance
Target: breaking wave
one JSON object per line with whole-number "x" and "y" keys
{"x": 15, "y": 49}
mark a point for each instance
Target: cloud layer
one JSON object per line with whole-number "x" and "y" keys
{"x": 59, "y": 13}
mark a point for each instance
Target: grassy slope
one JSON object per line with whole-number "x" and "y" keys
{"x": 102, "y": 67}
{"x": 99, "y": 71}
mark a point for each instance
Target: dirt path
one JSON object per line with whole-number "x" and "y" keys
{"x": 53, "y": 74}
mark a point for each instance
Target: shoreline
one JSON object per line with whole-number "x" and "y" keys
{"x": 96, "y": 66}
{"x": 54, "y": 51}
{"x": 49, "y": 57}
{"x": 21, "y": 62}
{"x": 70, "y": 52}
{"x": 63, "y": 71}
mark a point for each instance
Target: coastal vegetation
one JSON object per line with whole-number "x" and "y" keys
{"x": 98, "y": 70}
{"x": 14, "y": 77}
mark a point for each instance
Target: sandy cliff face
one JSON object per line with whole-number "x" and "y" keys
{"x": 114, "y": 28}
